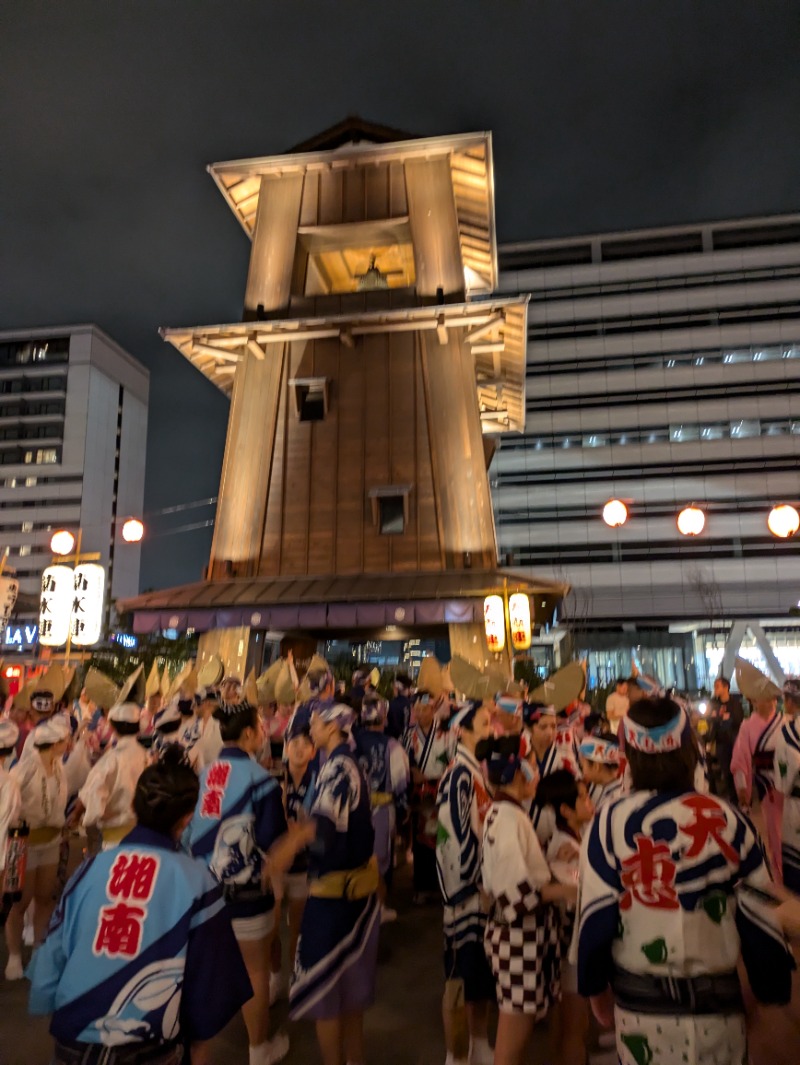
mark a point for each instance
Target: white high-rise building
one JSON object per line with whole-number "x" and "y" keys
{"x": 664, "y": 371}
{"x": 73, "y": 430}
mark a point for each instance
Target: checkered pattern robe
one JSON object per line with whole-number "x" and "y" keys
{"x": 522, "y": 933}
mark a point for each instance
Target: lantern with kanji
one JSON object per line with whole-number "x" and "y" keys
{"x": 519, "y": 616}
{"x": 87, "y": 604}
{"x": 494, "y": 619}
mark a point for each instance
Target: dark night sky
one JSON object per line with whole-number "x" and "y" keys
{"x": 605, "y": 115}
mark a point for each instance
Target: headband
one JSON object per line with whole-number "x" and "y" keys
{"x": 465, "y": 714}
{"x": 503, "y": 765}
{"x": 509, "y": 704}
{"x": 373, "y": 710}
{"x": 331, "y": 713}
{"x": 600, "y": 749}
{"x": 53, "y": 730}
{"x": 533, "y": 712}
{"x": 657, "y": 740}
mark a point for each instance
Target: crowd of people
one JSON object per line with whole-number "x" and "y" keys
{"x": 588, "y": 870}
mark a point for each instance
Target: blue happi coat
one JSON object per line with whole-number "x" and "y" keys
{"x": 239, "y": 815}
{"x": 139, "y": 949}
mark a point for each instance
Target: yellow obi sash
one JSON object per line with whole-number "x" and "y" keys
{"x": 348, "y": 884}
{"x": 45, "y": 834}
{"x": 116, "y": 832}
{"x": 381, "y": 798}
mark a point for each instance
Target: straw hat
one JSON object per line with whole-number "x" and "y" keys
{"x": 561, "y": 688}
{"x": 153, "y": 685}
{"x": 100, "y": 688}
{"x": 211, "y": 672}
{"x": 753, "y": 684}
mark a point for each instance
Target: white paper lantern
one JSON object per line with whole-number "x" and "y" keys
{"x": 783, "y": 521}
{"x": 87, "y": 605}
{"x": 519, "y": 614}
{"x": 615, "y": 513}
{"x": 494, "y": 620}
{"x": 691, "y": 521}
{"x": 55, "y": 605}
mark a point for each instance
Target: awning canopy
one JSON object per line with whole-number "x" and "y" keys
{"x": 332, "y": 602}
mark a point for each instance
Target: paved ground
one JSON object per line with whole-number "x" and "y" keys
{"x": 404, "y": 1027}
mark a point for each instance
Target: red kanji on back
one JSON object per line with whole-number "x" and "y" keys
{"x": 649, "y": 876}
{"x": 133, "y": 876}
{"x": 211, "y": 806}
{"x": 218, "y": 774}
{"x": 709, "y": 823}
{"x": 119, "y": 930}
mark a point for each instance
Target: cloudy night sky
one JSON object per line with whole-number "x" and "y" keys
{"x": 605, "y": 115}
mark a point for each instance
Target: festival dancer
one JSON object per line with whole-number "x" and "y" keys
{"x": 540, "y": 724}
{"x": 573, "y": 810}
{"x": 600, "y": 767}
{"x": 385, "y": 766}
{"x": 43, "y": 800}
{"x": 238, "y": 817}
{"x": 522, "y": 930}
{"x": 334, "y": 977}
{"x": 430, "y": 749}
{"x": 463, "y": 802}
{"x": 299, "y": 790}
{"x": 753, "y": 761}
{"x": 787, "y": 782}
{"x": 9, "y": 788}
{"x": 670, "y": 898}
{"x": 106, "y": 799}
{"x": 140, "y": 960}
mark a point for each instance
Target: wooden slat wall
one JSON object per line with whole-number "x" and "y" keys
{"x": 434, "y": 227}
{"x": 462, "y": 485}
{"x": 246, "y": 466}
{"x": 319, "y": 513}
{"x": 272, "y": 255}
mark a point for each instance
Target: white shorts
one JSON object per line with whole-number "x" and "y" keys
{"x": 295, "y": 887}
{"x": 42, "y": 854}
{"x": 247, "y": 929}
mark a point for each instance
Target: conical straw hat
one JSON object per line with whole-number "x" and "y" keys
{"x": 100, "y": 688}
{"x": 153, "y": 686}
{"x": 211, "y": 672}
{"x": 129, "y": 685}
{"x": 753, "y": 684}
{"x": 250, "y": 688}
{"x": 431, "y": 676}
{"x": 165, "y": 682}
{"x": 562, "y": 688}
{"x": 285, "y": 684}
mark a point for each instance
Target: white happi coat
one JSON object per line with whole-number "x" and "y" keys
{"x": 787, "y": 782}
{"x": 663, "y": 892}
{"x": 10, "y": 802}
{"x": 43, "y": 797}
{"x": 107, "y": 794}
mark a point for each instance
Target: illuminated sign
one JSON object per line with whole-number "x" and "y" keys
{"x": 519, "y": 614}
{"x": 494, "y": 620}
{"x": 21, "y": 636}
{"x": 126, "y": 640}
{"x": 55, "y": 605}
{"x": 87, "y": 604}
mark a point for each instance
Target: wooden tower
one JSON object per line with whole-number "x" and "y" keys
{"x": 368, "y": 377}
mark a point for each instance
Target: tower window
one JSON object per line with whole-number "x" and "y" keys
{"x": 310, "y": 398}
{"x": 390, "y": 509}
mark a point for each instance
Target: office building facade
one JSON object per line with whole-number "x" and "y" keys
{"x": 73, "y": 430}
{"x": 663, "y": 370}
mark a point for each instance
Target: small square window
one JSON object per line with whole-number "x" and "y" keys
{"x": 390, "y": 509}
{"x": 27, "y": 526}
{"x": 392, "y": 518}
{"x": 25, "y": 550}
{"x": 310, "y": 398}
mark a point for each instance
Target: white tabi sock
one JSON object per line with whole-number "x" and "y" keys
{"x": 480, "y": 1053}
